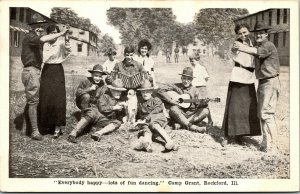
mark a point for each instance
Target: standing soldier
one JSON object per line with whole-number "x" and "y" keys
{"x": 176, "y": 50}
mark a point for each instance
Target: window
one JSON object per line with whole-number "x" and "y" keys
{"x": 21, "y": 16}
{"x": 285, "y": 16}
{"x": 263, "y": 16}
{"x": 256, "y": 18}
{"x": 195, "y": 43}
{"x": 28, "y": 15}
{"x": 11, "y": 37}
{"x": 204, "y": 51}
{"x": 16, "y": 38}
{"x": 81, "y": 32}
{"x": 278, "y": 16}
{"x": 276, "y": 39}
{"x": 269, "y": 37}
{"x": 251, "y": 22}
{"x": 79, "y": 48}
{"x": 13, "y": 13}
{"x": 284, "y": 39}
{"x": 270, "y": 18}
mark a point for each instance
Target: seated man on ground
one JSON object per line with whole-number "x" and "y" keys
{"x": 191, "y": 117}
{"x": 150, "y": 113}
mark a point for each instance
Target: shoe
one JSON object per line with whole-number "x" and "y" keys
{"x": 210, "y": 124}
{"x": 36, "y": 136}
{"x": 96, "y": 137}
{"x": 177, "y": 126}
{"x": 148, "y": 147}
{"x": 72, "y": 139}
{"x": 57, "y": 132}
{"x": 224, "y": 142}
{"x": 171, "y": 146}
{"x": 197, "y": 129}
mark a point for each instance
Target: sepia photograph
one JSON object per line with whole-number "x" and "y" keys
{"x": 185, "y": 96}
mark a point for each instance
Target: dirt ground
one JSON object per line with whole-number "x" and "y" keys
{"x": 199, "y": 155}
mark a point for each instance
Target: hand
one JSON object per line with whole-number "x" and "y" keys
{"x": 237, "y": 45}
{"x": 117, "y": 107}
{"x": 93, "y": 87}
{"x": 65, "y": 29}
{"x": 123, "y": 104}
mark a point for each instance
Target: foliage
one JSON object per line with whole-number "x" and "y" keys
{"x": 158, "y": 25}
{"x": 215, "y": 26}
{"x": 106, "y": 42}
{"x": 66, "y": 15}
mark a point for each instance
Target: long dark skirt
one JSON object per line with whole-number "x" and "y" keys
{"x": 52, "y": 97}
{"x": 240, "y": 116}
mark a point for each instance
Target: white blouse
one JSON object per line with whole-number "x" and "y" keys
{"x": 109, "y": 65}
{"x": 148, "y": 65}
{"x": 240, "y": 74}
{"x": 200, "y": 75}
{"x": 57, "y": 52}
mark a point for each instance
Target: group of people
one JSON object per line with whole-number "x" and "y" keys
{"x": 104, "y": 98}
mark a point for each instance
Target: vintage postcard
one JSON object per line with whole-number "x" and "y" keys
{"x": 149, "y": 96}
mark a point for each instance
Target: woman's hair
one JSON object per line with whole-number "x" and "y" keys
{"x": 129, "y": 49}
{"x": 143, "y": 43}
{"x": 51, "y": 28}
{"x": 240, "y": 26}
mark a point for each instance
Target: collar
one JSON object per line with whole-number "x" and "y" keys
{"x": 128, "y": 65}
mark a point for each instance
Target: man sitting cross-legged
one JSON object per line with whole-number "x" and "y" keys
{"x": 106, "y": 115}
{"x": 188, "y": 118}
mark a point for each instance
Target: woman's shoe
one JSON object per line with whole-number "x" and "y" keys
{"x": 57, "y": 132}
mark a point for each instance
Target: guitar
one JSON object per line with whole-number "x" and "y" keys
{"x": 185, "y": 100}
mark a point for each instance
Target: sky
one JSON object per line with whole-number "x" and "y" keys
{"x": 98, "y": 17}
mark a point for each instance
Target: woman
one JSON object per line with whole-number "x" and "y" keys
{"x": 143, "y": 57}
{"x": 52, "y": 90}
{"x": 240, "y": 118}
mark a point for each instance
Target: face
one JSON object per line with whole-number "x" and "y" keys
{"x": 192, "y": 61}
{"x": 144, "y": 51}
{"x": 147, "y": 94}
{"x": 261, "y": 36}
{"x": 111, "y": 57}
{"x": 129, "y": 57}
{"x": 186, "y": 81}
{"x": 97, "y": 77}
{"x": 243, "y": 33}
{"x": 39, "y": 30}
{"x": 116, "y": 94}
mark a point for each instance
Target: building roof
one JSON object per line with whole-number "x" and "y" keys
{"x": 251, "y": 14}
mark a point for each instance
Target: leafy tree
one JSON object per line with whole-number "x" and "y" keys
{"x": 105, "y": 43}
{"x": 216, "y": 26}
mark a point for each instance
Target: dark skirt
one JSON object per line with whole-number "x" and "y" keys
{"x": 240, "y": 116}
{"x": 52, "y": 97}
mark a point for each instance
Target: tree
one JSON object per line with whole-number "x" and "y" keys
{"x": 216, "y": 26}
{"x": 106, "y": 42}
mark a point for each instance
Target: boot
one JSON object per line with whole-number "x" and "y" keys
{"x": 57, "y": 132}
{"x": 196, "y": 128}
{"x": 78, "y": 129}
{"x": 107, "y": 129}
{"x": 32, "y": 113}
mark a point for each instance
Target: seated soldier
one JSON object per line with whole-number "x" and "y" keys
{"x": 150, "y": 113}
{"x": 128, "y": 69}
{"x": 189, "y": 118}
{"x": 88, "y": 90}
{"x": 107, "y": 119}
{"x": 111, "y": 107}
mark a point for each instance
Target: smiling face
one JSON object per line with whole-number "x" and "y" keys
{"x": 243, "y": 33}
{"x": 128, "y": 57}
{"x": 97, "y": 77}
{"x": 261, "y": 36}
{"x": 186, "y": 81}
{"x": 116, "y": 93}
{"x": 146, "y": 94}
{"x": 144, "y": 51}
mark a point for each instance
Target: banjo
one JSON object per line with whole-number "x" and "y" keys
{"x": 185, "y": 100}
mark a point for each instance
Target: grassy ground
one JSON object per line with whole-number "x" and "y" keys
{"x": 199, "y": 156}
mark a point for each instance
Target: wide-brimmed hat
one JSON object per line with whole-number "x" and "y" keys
{"x": 260, "y": 26}
{"x": 117, "y": 84}
{"x": 97, "y": 68}
{"x": 111, "y": 51}
{"x": 187, "y": 71}
{"x": 146, "y": 85}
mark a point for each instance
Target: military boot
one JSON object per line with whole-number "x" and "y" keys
{"x": 78, "y": 129}
{"x": 32, "y": 113}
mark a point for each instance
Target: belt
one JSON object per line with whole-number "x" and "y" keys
{"x": 269, "y": 77}
{"x": 247, "y": 68}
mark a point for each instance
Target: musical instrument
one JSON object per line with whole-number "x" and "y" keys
{"x": 130, "y": 82}
{"x": 185, "y": 100}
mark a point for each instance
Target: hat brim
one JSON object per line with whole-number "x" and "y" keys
{"x": 260, "y": 29}
{"x": 39, "y": 23}
{"x": 114, "y": 88}
{"x": 92, "y": 71}
{"x": 186, "y": 75}
{"x": 145, "y": 89}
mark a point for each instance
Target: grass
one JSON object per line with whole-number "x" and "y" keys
{"x": 199, "y": 156}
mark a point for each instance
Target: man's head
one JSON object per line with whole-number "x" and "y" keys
{"x": 111, "y": 54}
{"x": 242, "y": 30}
{"x": 116, "y": 88}
{"x": 128, "y": 53}
{"x": 144, "y": 47}
{"x": 187, "y": 76}
{"x": 146, "y": 90}
{"x": 39, "y": 27}
{"x": 194, "y": 59}
{"x": 261, "y": 32}
{"x": 97, "y": 73}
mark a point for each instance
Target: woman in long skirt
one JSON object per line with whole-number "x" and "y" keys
{"x": 240, "y": 118}
{"x": 52, "y": 89}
